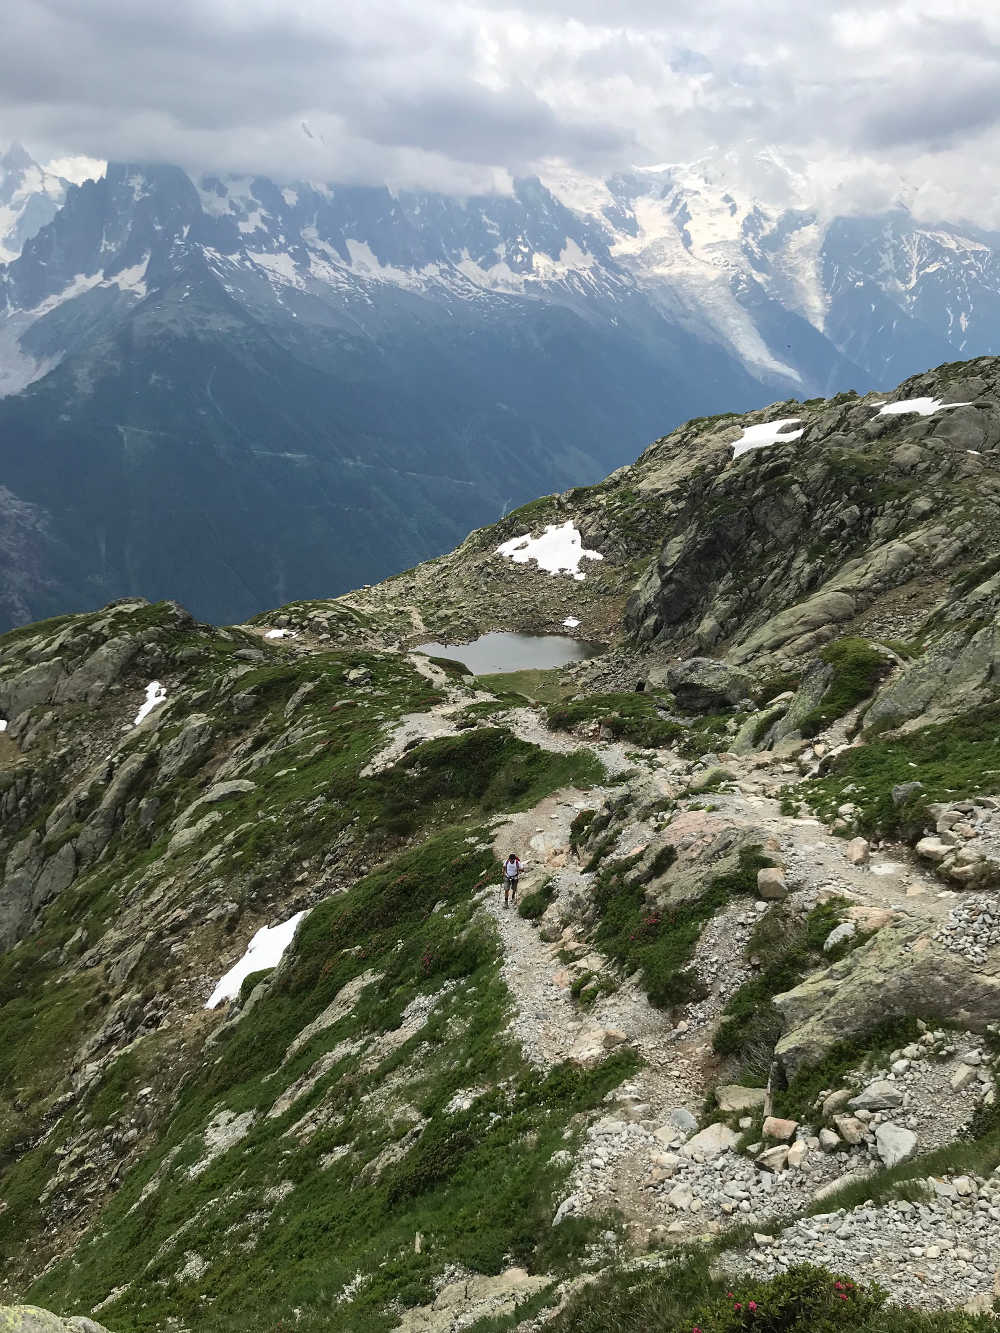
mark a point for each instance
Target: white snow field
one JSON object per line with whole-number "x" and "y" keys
{"x": 280, "y": 634}
{"x": 771, "y": 432}
{"x": 155, "y": 695}
{"x": 926, "y": 407}
{"x": 264, "y": 950}
{"x": 558, "y": 550}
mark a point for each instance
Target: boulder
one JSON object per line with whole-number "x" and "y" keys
{"x": 850, "y": 1129}
{"x": 782, "y": 1130}
{"x": 711, "y": 1142}
{"x": 703, "y": 685}
{"x": 797, "y": 1154}
{"x": 878, "y": 1096}
{"x": 901, "y": 971}
{"x": 828, "y": 1140}
{"x": 836, "y": 1101}
{"x": 682, "y": 1119}
{"x": 681, "y": 1197}
{"x": 933, "y": 849}
{"x": 732, "y": 1097}
{"x": 31, "y": 1319}
{"x": 962, "y": 1077}
{"x": 857, "y": 851}
{"x": 184, "y": 837}
{"x": 905, "y": 791}
{"x": 771, "y": 883}
{"x": 894, "y": 1144}
{"x": 839, "y": 935}
{"x": 772, "y": 1159}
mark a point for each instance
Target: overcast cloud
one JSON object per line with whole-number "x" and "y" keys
{"x": 463, "y": 94}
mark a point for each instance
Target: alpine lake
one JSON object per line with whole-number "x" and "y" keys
{"x": 503, "y": 651}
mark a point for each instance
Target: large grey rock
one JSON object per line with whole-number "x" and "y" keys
{"x": 905, "y": 791}
{"x": 878, "y": 1096}
{"x": 894, "y": 1144}
{"x": 184, "y": 837}
{"x": 703, "y": 685}
{"x": 901, "y": 971}
{"x": 100, "y": 669}
{"x": 733, "y": 1097}
{"x": 839, "y": 935}
{"x": 187, "y": 748}
{"x": 32, "y": 1319}
{"x": 771, "y": 883}
{"x": 221, "y": 791}
{"x": 711, "y": 1142}
{"x": 29, "y": 688}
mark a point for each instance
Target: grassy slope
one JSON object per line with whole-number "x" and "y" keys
{"x": 478, "y": 1184}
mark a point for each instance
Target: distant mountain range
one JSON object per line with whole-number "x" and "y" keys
{"x": 237, "y": 393}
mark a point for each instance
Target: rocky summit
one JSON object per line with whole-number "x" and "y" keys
{"x": 273, "y": 1051}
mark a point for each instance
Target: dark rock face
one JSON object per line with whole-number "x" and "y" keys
{"x": 789, "y": 544}
{"x": 701, "y": 685}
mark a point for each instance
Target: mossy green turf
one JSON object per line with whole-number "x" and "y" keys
{"x": 687, "y": 1295}
{"x": 857, "y": 669}
{"x": 478, "y": 1184}
{"x": 954, "y": 760}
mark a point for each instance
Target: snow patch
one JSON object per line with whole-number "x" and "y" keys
{"x": 558, "y": 550}
{"x": 770, "y": 432}
{"x": 3, "y": 724}
{"x": 279, "y": 266}
{"x": 155, "y": 695}
{"x": 264, "y": 950}
{"x": 925, "y": 407}
{"x": 571, "y": 622}
{"x": 279, "y": 634}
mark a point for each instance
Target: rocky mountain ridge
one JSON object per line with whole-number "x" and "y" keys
{"x": 748, "y": 999}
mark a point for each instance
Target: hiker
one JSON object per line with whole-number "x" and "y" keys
{"x": 511, "y": 871}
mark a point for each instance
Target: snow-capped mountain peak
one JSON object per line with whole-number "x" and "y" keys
{"x": 30, "y": 197}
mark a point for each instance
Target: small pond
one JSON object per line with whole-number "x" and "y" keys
{"x": 505, "y": 651}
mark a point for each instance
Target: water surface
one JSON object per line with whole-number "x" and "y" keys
{"x": 503, "y": 650}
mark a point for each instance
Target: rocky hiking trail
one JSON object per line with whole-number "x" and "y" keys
{"x": 642, "y": 1159}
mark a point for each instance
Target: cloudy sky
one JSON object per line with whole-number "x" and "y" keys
{"x": 460, "y": 94}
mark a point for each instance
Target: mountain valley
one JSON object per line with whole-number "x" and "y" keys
{"x": 237, "y": 393}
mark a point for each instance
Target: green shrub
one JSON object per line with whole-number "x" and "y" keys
{"x": 579, "y": 827}
{"x": 687, "y": 1296}
{"x": 798, "y": 1099}
{"x": 486, "y": 770}
{"x": 534, "y": 904}
{"x": 253, "y": 979}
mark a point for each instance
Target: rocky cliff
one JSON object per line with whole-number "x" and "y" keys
{"x": 273, "y": 1051}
